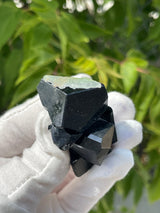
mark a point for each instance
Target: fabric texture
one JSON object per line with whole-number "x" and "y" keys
{"x": 35, "y": 176}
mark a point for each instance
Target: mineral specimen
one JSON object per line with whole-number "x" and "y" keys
{"x": 82, "y": 121}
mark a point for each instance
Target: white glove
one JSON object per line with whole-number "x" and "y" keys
{"x": 35, "y": 175}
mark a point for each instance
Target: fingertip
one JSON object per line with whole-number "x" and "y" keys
{"x": 126, "y": 162}
{"x": 115, "y": 166}
{"x": 129, "y": 134}
{"x": 123, "y": 107}
{"x": 44, "y": 139}
{"x": 89, "y": 188}
{"x": 17, "y": 127}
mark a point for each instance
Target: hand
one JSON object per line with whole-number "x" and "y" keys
{"x": 35, "y": 176}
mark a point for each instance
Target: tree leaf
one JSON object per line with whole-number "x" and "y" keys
{"x": 28, "y": 23}
{"x": 70, "y": 28}
{"x": 137, "y": 188}
{"x": 153, "y": 189}
{"x": 138, "y": 61}
{"x": 11, "y": 70}
{"x": 127, "y": 183}
{"x": 155, "y": 112}
{"x": 154, "y": 31}
{"x": 63, "y": 41}
{"x": 39, "y": 60}
{"x": 102, "y": 78}
{"x": 103, "y": 66}
{"x": 9, "y": 18}
{"x": 153, "y": 144}
{"x": 129, "y": 74}
{"x": 28, "y": 86}
{"x": 144, "y": 97}
{"x": 85, "y": 65}
{"x": 45, "y": 10}
{"x": 37, "y": 52}
{"x": 93, "y": 31}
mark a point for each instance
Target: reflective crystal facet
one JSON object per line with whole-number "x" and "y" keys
{"x": 82, "y": 121}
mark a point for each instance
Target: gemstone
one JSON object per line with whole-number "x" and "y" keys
{"x": 62, "y": 138}
{"x": 68, "y": 107}
{"x": 82, "y": 121}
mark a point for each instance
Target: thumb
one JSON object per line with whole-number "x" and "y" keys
{"x": 26, "y": 179}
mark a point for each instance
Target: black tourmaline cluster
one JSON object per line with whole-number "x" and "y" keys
{"x": 82, "y": 121}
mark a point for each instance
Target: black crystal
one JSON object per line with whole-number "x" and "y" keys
{"x": 82, "y": 122}
{"x": 71, "y": 108}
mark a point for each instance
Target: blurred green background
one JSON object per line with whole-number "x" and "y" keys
{"x": 117, "y": 42}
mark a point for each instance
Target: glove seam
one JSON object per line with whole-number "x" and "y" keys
{"x": 13, "y": 114}
{"x": 28, "y": 179}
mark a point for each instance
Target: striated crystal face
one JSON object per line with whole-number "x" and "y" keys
{"x": 82, "y": 122}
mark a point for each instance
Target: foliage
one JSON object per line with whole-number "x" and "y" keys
{"x": 116, "y": 42}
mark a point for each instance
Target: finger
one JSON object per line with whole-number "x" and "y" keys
{"x": 42, "y": 167}
{"x": 129, "y": 134}
{"x": 69, "y": 177}
{"x": 17, "y": 127}
{"x": 4, "y": 161}
{"x": 83, "y": 193}
{"x": 123, "y": 107}
{"x": 6, "y": 206}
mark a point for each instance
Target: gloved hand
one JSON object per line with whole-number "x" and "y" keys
{"x": 35, "y": 176}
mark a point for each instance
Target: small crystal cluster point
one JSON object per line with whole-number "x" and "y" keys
{"x": 82, "y": 121}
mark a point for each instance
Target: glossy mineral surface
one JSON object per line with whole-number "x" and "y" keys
{"x": 71, "y": 108}
{"x": 82, "y": 122}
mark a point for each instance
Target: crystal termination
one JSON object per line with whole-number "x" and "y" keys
{"x": 82, "y": 121}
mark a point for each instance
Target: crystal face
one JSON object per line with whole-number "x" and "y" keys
{"x": 71, "y": 82}
{"x": 82, "y": 122}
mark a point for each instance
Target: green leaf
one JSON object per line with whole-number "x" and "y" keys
{"x": 155, "y": 112}
{"x": 9, "y": 18}
{"x": 28, "y": 87}
{"x": 154, "y": 31}
{"x": 39, "y": 60}
{"x": 153, "y": 189}
{"x": 109, "y": 198}
{"x": 152, "y": 128}
{"x": 103, "y": 66}
{"x": 11, "y": 70}
{"x": 129, "y": 74}
{"x": 45, "y": 10}
{"x": 144, "y": 96}
{"x": 137, "y": 188}
{"x": 126, "y": 184}
{"x": 37, "y": 51}
{"x": 141, "y": 170}
{"x": 131, "y": 6}
{"x": 79, "y": 50}
{"x": 84, "y": 65}
{"x": 28, "y": 23}
{"x": 153, "y": 144}
{"x": 137, "y": 57}
{"x": 102, "y": 78}
{"x": 134, "y": 53}
{"x": 63, "y": 41}
{"x": 114, "y": 18}
{"x": 93, "y": 31}
{"x": 70, "y": 28}
{"x": 38, "y": 36}
{"x": 141, "y": 63}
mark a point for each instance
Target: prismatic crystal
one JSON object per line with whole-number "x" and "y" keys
{"x": 82, "y": 121}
